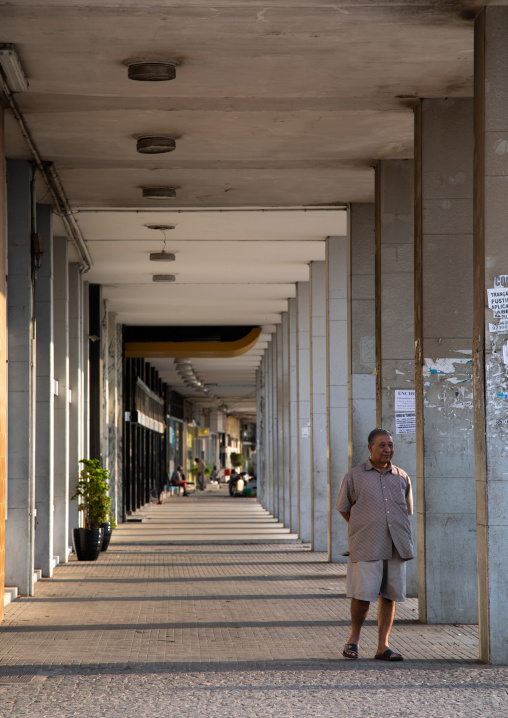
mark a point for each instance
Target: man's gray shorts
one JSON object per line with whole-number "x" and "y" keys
{"x": 366, "y": 580}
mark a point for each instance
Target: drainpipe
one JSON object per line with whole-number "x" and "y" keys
{"x": 52, "y": 181}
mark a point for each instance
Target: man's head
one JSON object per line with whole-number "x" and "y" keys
{"x": 196, "y": 459}
{"x": 380, "y": 448}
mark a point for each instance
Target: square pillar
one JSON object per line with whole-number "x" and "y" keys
{"x": 19, "y": 529}
{"x": 44, "y": 422}
{"x": 318, "y": 408}
{"x": 490, "y": 332}
{"x": 269, "y": 427}
{"x": 260, "y": 430}
{"x": 3, "y": 360}
{"x": 85, "y": 377}
{"x": 286, "y": 427}
{"x": 336, "y": 266}
{"x": 362, "y": 329}
{"x": 447, "y": 587}
{"x": 112, "y": 461}
{"x": 395, "y": 358}
{"x": 273, "y": 428}
{"x": 75, "y": 398}
{"x": 293, "y": 415}
{"x": 105, "y": 383}
{"x": 303, "y": 382}
{"x": 61, "y": 400}
{"x": 279, "y": 436}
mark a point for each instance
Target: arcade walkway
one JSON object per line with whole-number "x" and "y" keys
{"x": 223, "y": 628}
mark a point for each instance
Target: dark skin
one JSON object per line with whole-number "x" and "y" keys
{"x": 381, "y": 453}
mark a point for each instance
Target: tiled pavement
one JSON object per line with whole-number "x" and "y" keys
{"x": 224, "y": 629}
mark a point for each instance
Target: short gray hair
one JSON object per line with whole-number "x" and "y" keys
{"x": 376, "y": 432}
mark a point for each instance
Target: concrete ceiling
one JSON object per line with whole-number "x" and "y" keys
{"x": 282, "y": 104}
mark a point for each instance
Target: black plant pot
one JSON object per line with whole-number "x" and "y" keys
{"x": 108, "y": 530}
{"x": 88, "y": 543}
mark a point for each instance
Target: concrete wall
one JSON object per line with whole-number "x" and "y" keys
{"x": 395, "y": 363}
{"x": 362, "y": 330}
{"x": 61, "y": 399}
{"x": 44, "y": 420}
{"x": 304, "y": 433}
{"x": 3, "y": 361}
{"x": 19, "y": 545}
{"x": 318, "y": 407}
{"x": 490, "y": 337}
{"x": 293, "y": 415}
{"x": 336, "y": 266}
{"x": 447, "y": 587}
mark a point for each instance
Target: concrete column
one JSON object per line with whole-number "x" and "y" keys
{"x": 293, "y": 416}
{"x": 85, "y": 377}
{"x": 336, "y": 266}
{"x": 274, "y": 486}
{"x": 279, "y": 477}
{"x": 447, "y": 587}
{"x": 362, "y": 327}
{"x": 269, "y": 427}
{"x": 61, "y": 399}
{"x": 19, "y": 529}
{"x": 303, "y": 382}
{"x": 111, "y": 458}
{"x": 119, "y": 497}
{"x": 395, "y": 362}
{"x": 318, "y": 407}
{"x": 286, "y": 427}
{"x": 105, "y": 383}
{"x": 490, "y": 333}
{"x": 260, "y": 430}
{"x": 44, "y": 498}
{"x": 3, "y": 360}
{"x": 75, "y": 386}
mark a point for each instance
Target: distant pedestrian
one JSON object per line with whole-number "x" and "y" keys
{"x": 200, "y": 475}
{"x": 178, "y": 479}
{"x": 375, "y": 499}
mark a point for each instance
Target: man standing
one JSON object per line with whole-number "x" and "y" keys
{"x": 200, "y": 476}
{"x": 375, "y": 499}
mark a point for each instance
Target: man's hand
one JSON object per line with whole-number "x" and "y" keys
{"x": 345, "y": 516}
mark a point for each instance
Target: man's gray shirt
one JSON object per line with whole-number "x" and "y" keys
{"x": 379, "y": 504}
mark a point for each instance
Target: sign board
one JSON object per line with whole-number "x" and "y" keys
{"x": 405, "y": 423}
{"x": 405, "y": 400}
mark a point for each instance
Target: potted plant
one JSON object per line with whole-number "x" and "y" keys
{"x": 237, "y": 459}
{"x": 92, "y": 491}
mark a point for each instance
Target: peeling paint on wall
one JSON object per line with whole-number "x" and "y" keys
{"x": 450, "y": 390}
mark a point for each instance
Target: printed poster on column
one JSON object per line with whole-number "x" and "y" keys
{"x": 405, "y": 423}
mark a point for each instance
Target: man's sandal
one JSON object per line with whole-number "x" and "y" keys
{"x": 350, "y": 650}
{"x": 388, "y": 655}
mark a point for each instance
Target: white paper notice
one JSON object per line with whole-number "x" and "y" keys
{"x": 405, "y": 423}
{"x": 404, "y": 400}
{"x": 501, "y": 327}
{"x": 498, "y": 302}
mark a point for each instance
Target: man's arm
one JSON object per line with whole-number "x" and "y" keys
{"x": 345, "y": 516}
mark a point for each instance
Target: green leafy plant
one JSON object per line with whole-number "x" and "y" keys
{"x": 92, "y": 490}
{"x": 237, "y": 459}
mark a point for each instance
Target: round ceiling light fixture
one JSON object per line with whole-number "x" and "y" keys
{"x": 161, "y": 227}
{"x": 163, "y": 278}
{"x": 147, "y": 69}
{"x": 162, "y": 257}
{"x": 158, "y": 192}
{"x": 155, "y": 145}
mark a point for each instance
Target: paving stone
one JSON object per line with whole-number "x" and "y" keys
{"x": 211, "y": 629}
